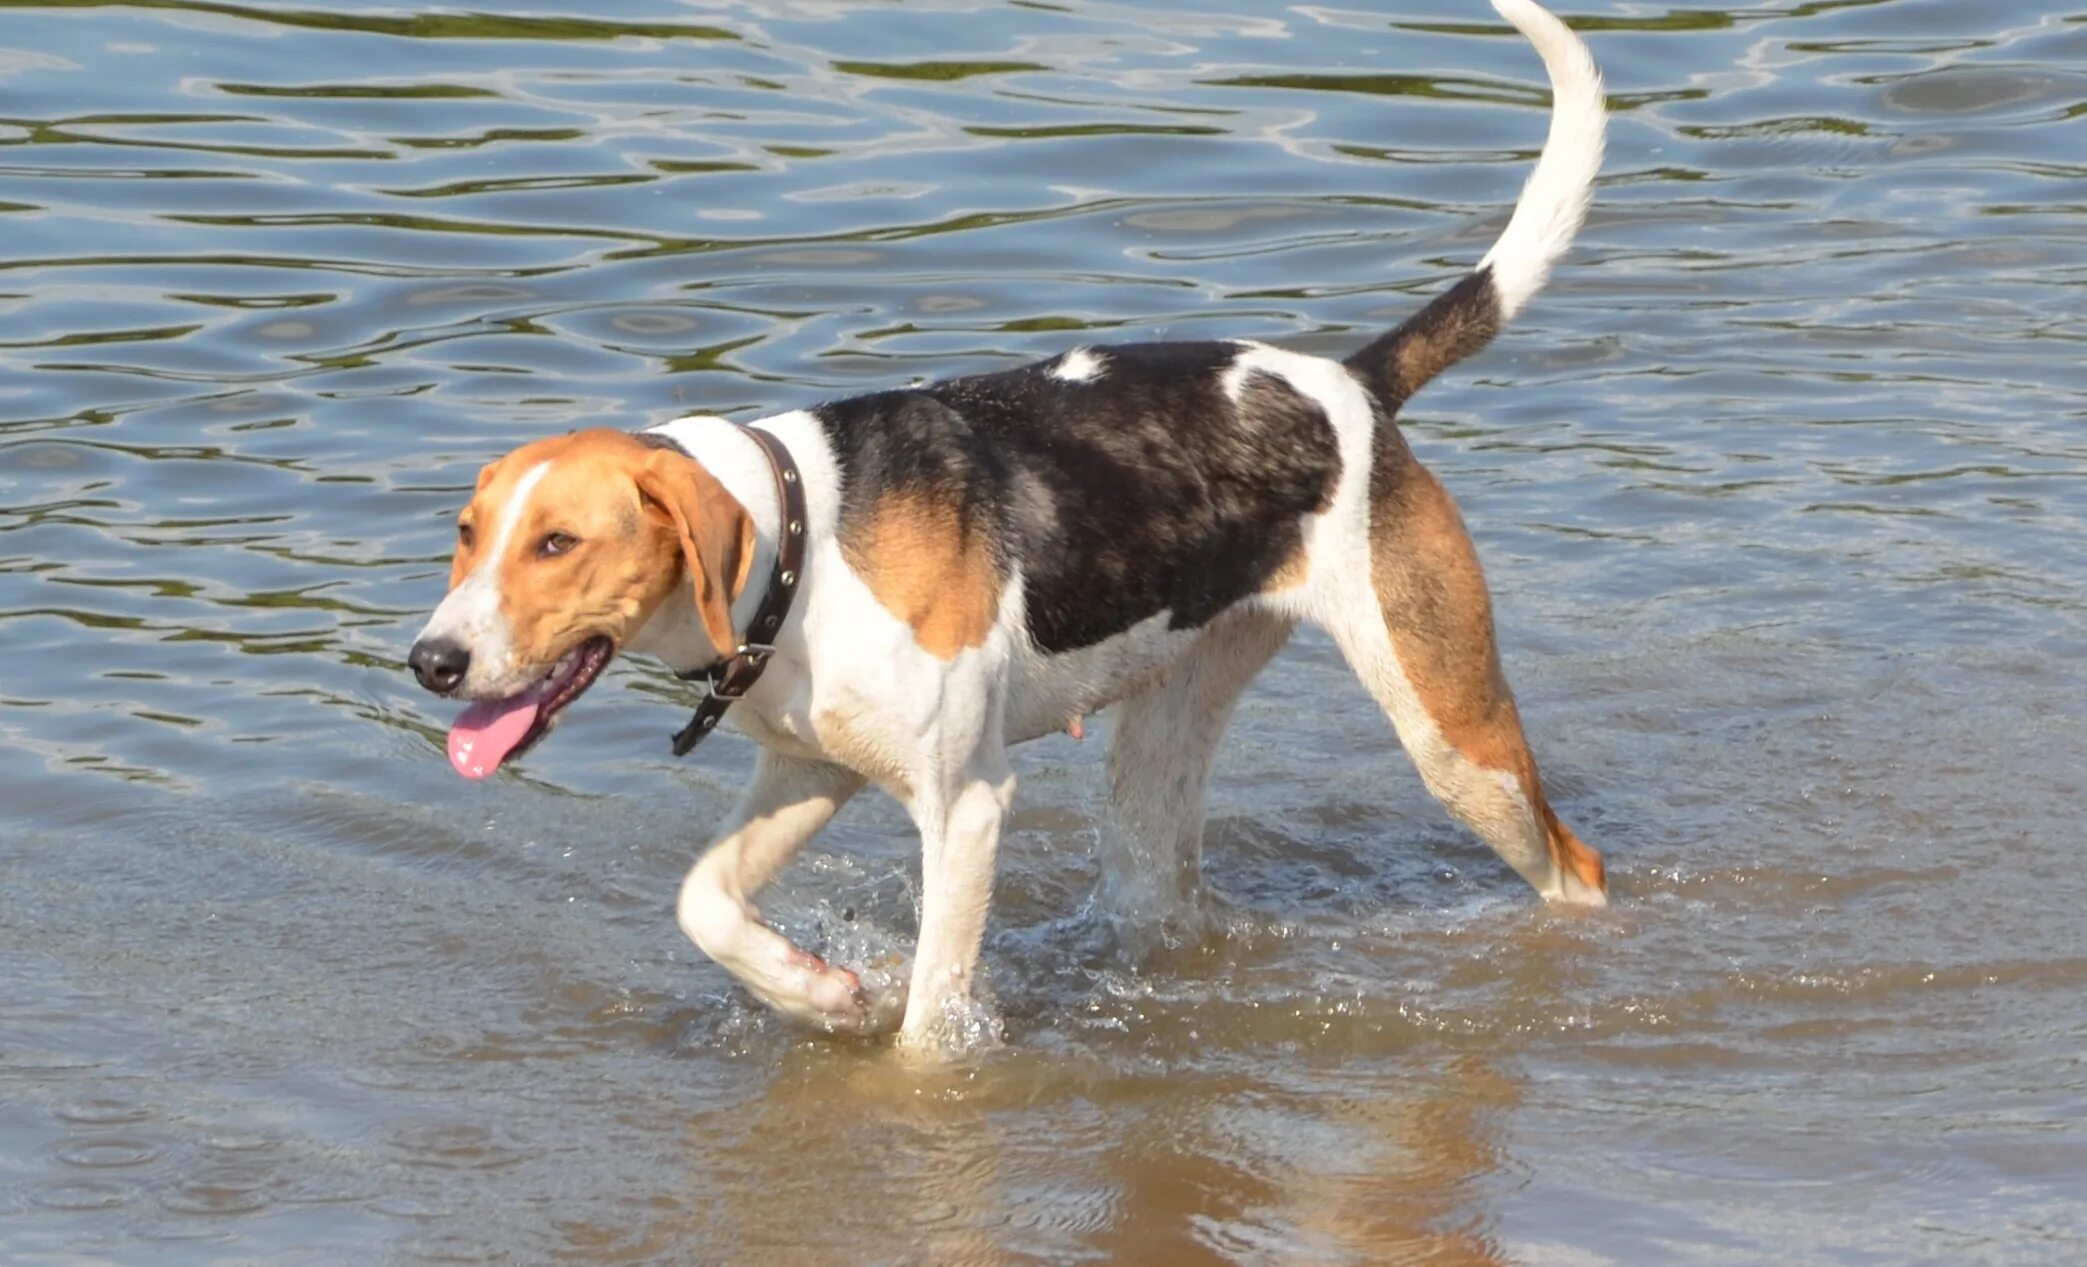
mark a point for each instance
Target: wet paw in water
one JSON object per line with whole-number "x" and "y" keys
{"x": 962, "y": 1027}
{"x": 848, "y": 1003}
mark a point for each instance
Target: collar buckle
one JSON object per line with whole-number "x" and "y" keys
{"x": 732, "y": 677}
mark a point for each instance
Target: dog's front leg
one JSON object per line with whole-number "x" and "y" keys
{"x": 788, "y": 802}
{"x": 960, "y": 834}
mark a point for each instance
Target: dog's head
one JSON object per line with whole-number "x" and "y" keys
{"x": 568, "y": 546}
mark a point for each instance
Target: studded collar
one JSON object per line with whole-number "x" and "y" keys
{"x": 733, "y": 675}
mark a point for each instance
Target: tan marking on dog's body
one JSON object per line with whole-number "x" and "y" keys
{"x": 1436, "y": 608}
{"x": 925, "y": 569}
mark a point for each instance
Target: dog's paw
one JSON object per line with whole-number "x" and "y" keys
{"x": 956, "y": 1028}
{"x": 1572, "y": 891}
{"x": 837, "y": 1000}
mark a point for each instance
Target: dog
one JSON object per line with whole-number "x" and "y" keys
{"x": 896, "y": 588}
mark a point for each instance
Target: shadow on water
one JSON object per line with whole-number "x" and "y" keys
{"x": 1778, "y": 486}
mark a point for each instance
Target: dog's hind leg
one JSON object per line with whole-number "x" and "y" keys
{"x": 1421, "y": 639}
{"x": 1165, "y": 741}
{"x": 787, "y": 803}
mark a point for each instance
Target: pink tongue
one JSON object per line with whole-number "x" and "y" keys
{"x": 487, "y": 732}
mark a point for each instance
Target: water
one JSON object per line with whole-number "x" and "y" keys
{"x": 1779, "y": 486}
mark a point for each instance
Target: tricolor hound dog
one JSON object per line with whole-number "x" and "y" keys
{"x": 987, "y": 559}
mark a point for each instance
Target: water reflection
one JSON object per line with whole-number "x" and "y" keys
{"x": 1135, "y": 1169}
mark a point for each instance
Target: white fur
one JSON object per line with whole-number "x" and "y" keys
{"x": 1166, "y": 736}
{"x": 1554, "y": 202}
{"x": 1081, "y": 365}
{"x": 470, "y": 615}
{"x": 1346, "y": 404}
{"x": 787, "y": 802}
{"x": 1051, "y": 690}
{"x": 849, "y": 694}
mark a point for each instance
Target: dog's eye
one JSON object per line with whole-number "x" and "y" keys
{"x": 464, "y": 536}
{"x": 555, "y": 544}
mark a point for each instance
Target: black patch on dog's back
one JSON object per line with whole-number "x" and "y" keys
{"x": 1143, "y": 490}
{"x": 908, "y": 443}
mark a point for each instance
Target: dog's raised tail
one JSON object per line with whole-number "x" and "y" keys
{"x": 1465, "y": 317}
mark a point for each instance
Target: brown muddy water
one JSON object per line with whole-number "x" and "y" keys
{"x": 1780, "y": 487}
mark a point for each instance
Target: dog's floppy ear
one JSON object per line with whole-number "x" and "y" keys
{"x": 716, "y": 533}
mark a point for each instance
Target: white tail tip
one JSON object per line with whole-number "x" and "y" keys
{"x": 1554, "y": 202}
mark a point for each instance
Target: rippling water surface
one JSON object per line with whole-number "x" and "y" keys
{"x": 1779, "y": 486}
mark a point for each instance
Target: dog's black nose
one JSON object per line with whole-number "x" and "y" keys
{"x": 439, "y": 663}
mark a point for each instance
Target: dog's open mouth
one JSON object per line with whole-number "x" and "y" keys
{"x": 491, "y": 731}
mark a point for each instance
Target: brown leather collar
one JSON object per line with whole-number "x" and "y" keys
{"x": 734, "y": 675}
